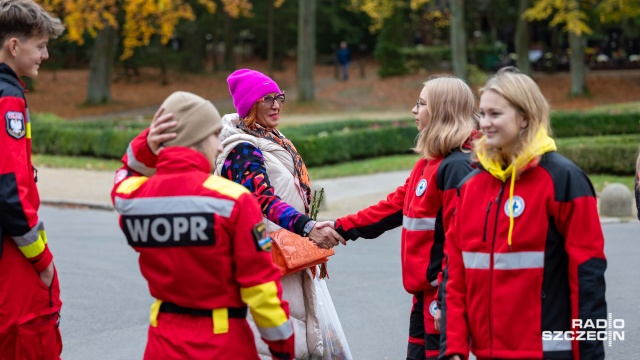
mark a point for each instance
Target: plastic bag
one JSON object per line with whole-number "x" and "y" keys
{"x": 335, "y": 343}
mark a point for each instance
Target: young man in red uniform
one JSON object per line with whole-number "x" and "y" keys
{"x": 29, "y": 290}
{"x": 204, "y": 249}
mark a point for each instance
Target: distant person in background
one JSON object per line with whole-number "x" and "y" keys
{"x": 344, "y": 58}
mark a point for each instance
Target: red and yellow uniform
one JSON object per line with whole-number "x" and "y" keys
{"x": 28, "y": 308}
{"x": 205, "y": 254}
{"x": 423, "y": 207}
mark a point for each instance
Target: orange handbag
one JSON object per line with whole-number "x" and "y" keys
{"x": 292, "y": 253}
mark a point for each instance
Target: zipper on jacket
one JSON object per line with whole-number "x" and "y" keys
{"x": 498, "y": 201}
{"x": 486, "y": 221}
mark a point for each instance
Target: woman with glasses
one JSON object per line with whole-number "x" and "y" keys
{"x": 445, "y": 117}
{"x": 259, "y": 157}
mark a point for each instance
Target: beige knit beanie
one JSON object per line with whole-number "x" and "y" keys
{"x": 197, "y": 118}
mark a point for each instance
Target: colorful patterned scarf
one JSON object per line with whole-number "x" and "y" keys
{"x": 274, "y": 135}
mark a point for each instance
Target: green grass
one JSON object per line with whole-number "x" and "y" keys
{"x": 617, "y": 108}
{"x": 363, "y": 167}
{"x": 600, "y": 181}
{"x": 75, "y": 162}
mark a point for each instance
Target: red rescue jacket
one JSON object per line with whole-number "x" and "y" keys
{"x": 505, "y": 298}
{"x": 423, "y": 206}
{"x": 202, "y": 242}
{"x": 19, "y": 198}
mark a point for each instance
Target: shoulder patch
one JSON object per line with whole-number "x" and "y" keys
{"x": 16, "y": 127}
{"x": 131, "y": 184}
{"x": 225, "y": 187}
{"x": 262, "y": 240}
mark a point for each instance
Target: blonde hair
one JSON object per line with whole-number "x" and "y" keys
{"x": 524, "y": 94}
{"x": 452, "y": 116}
{"x": 25, "y": 18}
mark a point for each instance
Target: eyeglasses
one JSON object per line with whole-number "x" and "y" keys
{"x": 419, "y": 103}
{"x": 268, "y": 100}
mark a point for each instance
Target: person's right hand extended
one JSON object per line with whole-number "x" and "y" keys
{"x": 159, "y": 125}
{"x": 324, "y": 236}
{"x": 46, "y": 276}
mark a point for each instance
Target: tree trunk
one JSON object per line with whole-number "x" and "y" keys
{"x": 101, "y": 67}
{"x": 194, "y": 45}
{"x": 578, "y": 69}
{"x": 229, "y": 42}
{"x": 306, "y": 49}
{"x": 458, "y": 39}
{"x": 270, "y": 16}
{"x": 522, "y": 39}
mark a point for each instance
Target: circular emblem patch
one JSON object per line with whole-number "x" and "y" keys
{"x": 518, "y": 206}
{"x": 433, "y": 307}
{"x": 421, "y": 188}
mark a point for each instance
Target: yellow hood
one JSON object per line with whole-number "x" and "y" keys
{"x": 540, "y": 145}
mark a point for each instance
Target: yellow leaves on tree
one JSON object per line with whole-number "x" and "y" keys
{"x": 83, "y": 15}
{"x": 142, "y": 18}
{"x": 237, "y": 8}
{"x": 379, "y": 10}
{"x": 573, "y": 14}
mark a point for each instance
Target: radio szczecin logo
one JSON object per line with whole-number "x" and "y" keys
{"x": 609, "y": 329}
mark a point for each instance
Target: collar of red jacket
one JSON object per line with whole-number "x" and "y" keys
{"x": 178, "y": 159}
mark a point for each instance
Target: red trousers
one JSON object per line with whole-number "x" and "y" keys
{"x": 182, "y": 337}
{"x": 424, "y": 339}
{"x": 29, "y": 310}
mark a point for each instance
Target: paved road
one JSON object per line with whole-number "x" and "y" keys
{"x": 105, "y": 314}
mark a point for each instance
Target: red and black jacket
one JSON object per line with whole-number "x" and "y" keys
{"x": 505, "y": 298}
{"x": 19, "y": 198}
{"x": 423, "y": 206}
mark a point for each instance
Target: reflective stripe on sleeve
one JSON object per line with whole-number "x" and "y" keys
{"x": 271, "y": 319}
{"x": 417, "y": 224}
{"x": 281, "y": 332}
{"x": 174, "y": 205}
{"x": 136, "y": 165}
{"x": 33, "y": 242}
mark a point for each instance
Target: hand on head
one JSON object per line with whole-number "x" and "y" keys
{"x": 157, "y": 130}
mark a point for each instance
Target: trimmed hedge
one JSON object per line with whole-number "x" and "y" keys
{"x": 613, "y": 155}
{"x": 569, "y": 124}
{"x": 334, "y": 142}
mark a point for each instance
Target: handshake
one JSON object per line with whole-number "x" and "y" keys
{"x": 325, "y": 236}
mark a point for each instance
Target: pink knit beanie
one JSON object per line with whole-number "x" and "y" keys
{"x": 247, "y": 86}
